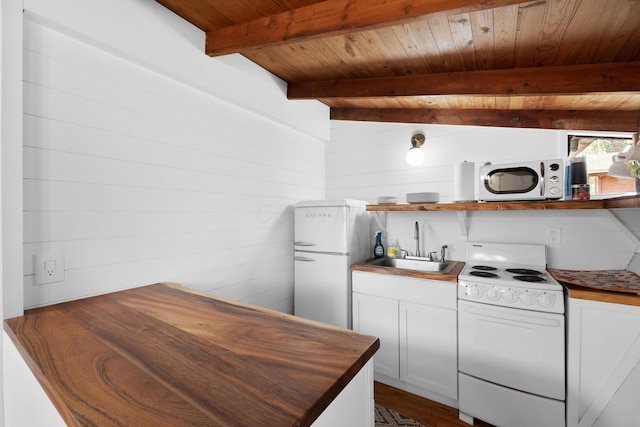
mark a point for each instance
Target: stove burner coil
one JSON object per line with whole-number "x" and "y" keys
{"x": 484, "y": 268}
{"x": 530, "y": 278}
{"x": 524, "y": 271}
{"x": 483, "y": 274}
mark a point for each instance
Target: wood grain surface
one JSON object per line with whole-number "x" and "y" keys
{"x": 580, "y": 292}
{"x": 620, "y": 202}
{"x": 451, "y": 276}
{"x": 508, "y": 63}
{"x": 162, "y": 355}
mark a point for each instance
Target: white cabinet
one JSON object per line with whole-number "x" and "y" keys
{"x": 354, "y": 406}
{"x": 603, "y": 364}
{"x": 379, "y": 317}
{"x": 428, "y": 348}
{"x": 416, "y": 322}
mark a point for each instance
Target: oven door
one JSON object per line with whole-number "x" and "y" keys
{"x": 520, "y": 349}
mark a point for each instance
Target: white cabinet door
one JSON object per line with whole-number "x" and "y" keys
{"x": 603, "y": 364}
{"x": 379, "y": 317}
{"x": 416, "y": 321}
{"x": 428, "y": 348}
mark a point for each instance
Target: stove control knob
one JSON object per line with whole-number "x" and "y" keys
{"x": 510, "y": 295}
{"x": 476, "y": 291}
{"x": 546, "y": 300}
{"x": 528, "y": 298}
{"x": 493, "y": 293}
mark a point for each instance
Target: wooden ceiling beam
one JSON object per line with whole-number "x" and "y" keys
{"x": 617, "y": 77}
{"x": 590, "y": 120}
{"x": 334, "y": 17}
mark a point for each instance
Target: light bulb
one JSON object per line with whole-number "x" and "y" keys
{"x": 415, "y": 156}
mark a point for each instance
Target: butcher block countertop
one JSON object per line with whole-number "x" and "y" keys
{"x": 450, "y": 276}
{"x": 617, "y": 290}
{"x": 581, "y": 292}
{"x": 163, "y": 355}
{"x": 615, "y": 286}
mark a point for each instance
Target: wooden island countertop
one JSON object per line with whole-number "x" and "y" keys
{"x": 163, "y": 355}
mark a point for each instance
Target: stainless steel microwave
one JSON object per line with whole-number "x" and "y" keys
{"x": 530, "y": 180}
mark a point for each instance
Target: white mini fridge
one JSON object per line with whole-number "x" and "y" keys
{"x": 329, "y": 236}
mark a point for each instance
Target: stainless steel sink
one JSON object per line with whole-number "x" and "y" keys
{"x": 411, "y": 264}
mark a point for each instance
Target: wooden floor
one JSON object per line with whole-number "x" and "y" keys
{"x": 425, "y": 411}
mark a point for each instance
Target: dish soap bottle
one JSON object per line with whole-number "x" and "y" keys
{"x": 391, "y": 251}
{"x": 378, "y": 249}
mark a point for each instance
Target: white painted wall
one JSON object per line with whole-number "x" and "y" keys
{"x": 367, "y": 160}
{"x": 147, "y": 34}
{"x": 11, "y": 153}
{"x": 11, "y": 298}
{"x": 2, "y": 357}
{"x": 146, "y": 161}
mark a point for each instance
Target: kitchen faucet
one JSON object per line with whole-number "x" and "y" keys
{"x": 443, "y": 252}
{"x": 431, "y": 256}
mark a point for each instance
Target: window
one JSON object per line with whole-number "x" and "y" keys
{"x": 598, "y": 151}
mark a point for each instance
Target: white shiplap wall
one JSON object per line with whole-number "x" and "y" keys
{"x": 139, "y": 178}
{"x": 2, "y": 356}
{"x": 367, "y": 160}
{"x": 11, "y": 158}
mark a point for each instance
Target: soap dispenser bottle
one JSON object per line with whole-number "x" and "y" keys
{"x": 378, "y": 249}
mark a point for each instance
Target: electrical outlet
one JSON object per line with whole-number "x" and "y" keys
{"x": 554, "y": 236}
{"x": 49, "y": 267}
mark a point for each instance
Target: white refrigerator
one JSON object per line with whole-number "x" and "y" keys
{"x": 329, "y": 236}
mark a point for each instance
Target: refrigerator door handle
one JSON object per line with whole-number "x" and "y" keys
{"x": 304, "y": 244}
{"x": 304, "y": 258}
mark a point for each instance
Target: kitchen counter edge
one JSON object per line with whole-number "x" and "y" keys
{"x": 573, "y": 291}
{"x": 451, "y": 276}
{"x": 581, "y": 292}
{"x": 625, "y": 202}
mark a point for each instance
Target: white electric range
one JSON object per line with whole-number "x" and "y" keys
{"x": 510, "y": 275}
{"x": 511, "y": 337}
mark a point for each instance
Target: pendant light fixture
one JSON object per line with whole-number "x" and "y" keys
{"x": 415, "y": 156}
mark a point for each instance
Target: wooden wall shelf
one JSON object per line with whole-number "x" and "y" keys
{"x": 620, "y": 202}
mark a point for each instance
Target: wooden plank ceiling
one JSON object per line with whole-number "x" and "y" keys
{"x": 555, "y": 64}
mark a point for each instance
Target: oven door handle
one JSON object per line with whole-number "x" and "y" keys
{"x": 540, "y": 319}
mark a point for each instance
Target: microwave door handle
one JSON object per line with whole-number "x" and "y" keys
{"x": 542, "y": 179}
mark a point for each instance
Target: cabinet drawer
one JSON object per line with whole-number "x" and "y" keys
{"x": 419, "y": 291}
